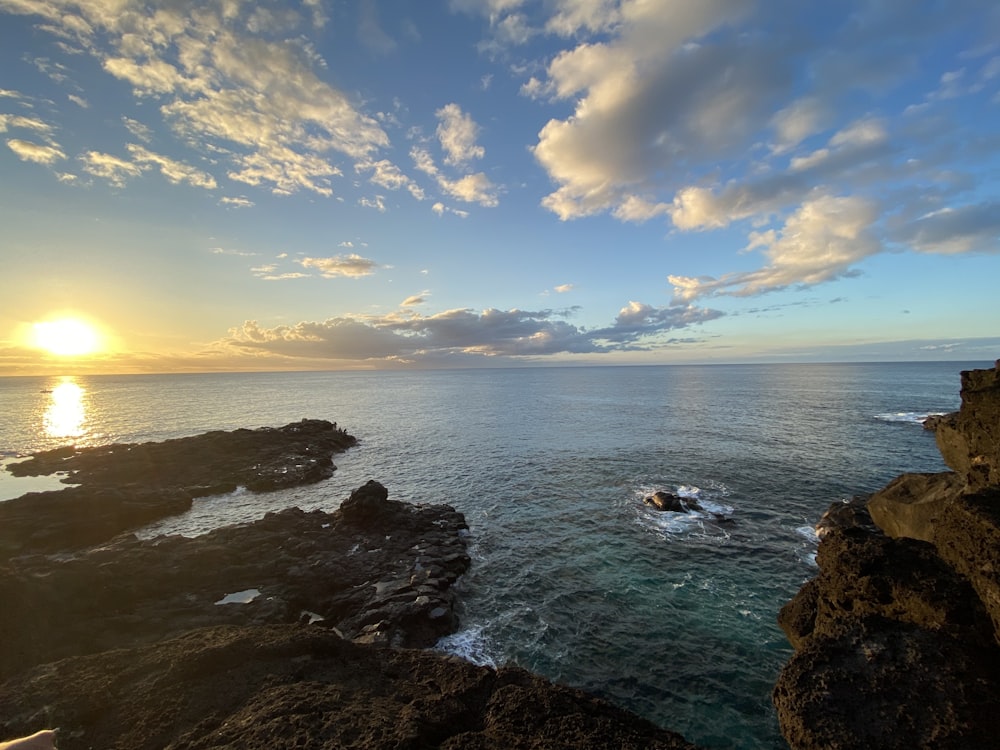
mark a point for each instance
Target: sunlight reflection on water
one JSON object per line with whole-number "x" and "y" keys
{"x": 66, "y": 414}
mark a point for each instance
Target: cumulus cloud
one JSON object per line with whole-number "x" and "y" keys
{"x": 470, "y": 188}
{"x": 29, "y": 151}
{"x": 175, "y": 171}
{"x": 563, "y": 288}
{"x": 114, "y": 169}
{"x": 350, "y": 266}
{"x": 467, "y": 333}
{"x": 821, "y": 241}
{"x": 27, "y": 123}
{"x": 236, "y": 202}
{"x": 457, "y": 133}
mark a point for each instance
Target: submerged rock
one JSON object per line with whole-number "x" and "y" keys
{"x": 896, "y": 638}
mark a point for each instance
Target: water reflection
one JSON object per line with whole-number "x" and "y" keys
{"x": 66, "y": 414}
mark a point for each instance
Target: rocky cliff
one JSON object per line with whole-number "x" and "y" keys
{"x": 896, "y": 637}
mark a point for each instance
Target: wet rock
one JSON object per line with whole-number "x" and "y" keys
{"x": 130, "y": 592}
{"x": 667, "y": 501}
{"x": 123, "y": 486}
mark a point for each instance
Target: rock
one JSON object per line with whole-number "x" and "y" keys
{"x": 130, "y": 592}
{"x": 288, "y": 686}
{"x": 910, "y": 505}
{"x": 933, "y": 421}
{"x": 884, "y": 685}
{"x": 667, "y": 501}
{"x": 896, "y": 637}
{"x": 970, "y": 442}
{"x": 124, "y": 486}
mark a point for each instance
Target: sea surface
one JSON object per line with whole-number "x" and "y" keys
{"x": 573, "y": 577}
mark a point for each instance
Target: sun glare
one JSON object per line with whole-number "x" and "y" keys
{"x": 66, "y": 337}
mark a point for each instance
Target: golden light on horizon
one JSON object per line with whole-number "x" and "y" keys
{"x": 66, "y": 337}
{"x": 66, "y": 414}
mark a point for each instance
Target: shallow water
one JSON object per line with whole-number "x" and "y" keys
{"x": 573, "y": 576}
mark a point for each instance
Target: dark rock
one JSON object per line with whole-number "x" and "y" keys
{"x": 896, "y": 637}
{"x": 846, "y": 514}
{"x": 886, "y": 685}
{"x": 910, "y": 505}
{"x": 933, "y": 421}
{"x": 370, "y": 584}
{"x": 123, "y": 486}
{"x": 667, "y": 501}
{"x": 970, "y": 442}
{"x": 274, "y": 687}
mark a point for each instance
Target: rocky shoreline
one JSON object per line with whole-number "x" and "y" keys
{"x": 312, "y": 629}
{"x": 896, "y": 637}
{"x": 296, "y": 630}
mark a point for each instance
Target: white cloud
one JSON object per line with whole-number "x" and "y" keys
{"x": 115, "y": 170}
{"x": 232, "y": 78}
{"x": 27, "y": 123}
{"x": 236, "y": 202}
{"x": 350, "y": 266}
{"x": 471, "y": 188}
{"x": 175, "y": 171}
{"x": 458, "y": 132}
{"x": 136, "y": 128}
{"x": 821, "y": 241}
{"x": 563, "y": 288}
{"x": 29, "y": 151}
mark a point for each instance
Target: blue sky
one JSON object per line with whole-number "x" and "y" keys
{"x": 236, "y": 185}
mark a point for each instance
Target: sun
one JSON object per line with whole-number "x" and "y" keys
{"x": 66, "y": 337}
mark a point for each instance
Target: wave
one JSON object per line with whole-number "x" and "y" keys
{"x": 908, "y": 417}
{"x": 712, "y": 520}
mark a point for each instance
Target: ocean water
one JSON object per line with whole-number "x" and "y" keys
{"x": 573, "y": 577}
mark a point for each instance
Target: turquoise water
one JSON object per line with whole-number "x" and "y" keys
{"x": 573, "y": 577}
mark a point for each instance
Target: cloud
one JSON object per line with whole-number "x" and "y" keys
{"x": 230, "y": 78}
{"x": 457, "y": 133}
{"x": 237, "y": 202}
{"x": 136, "y": 128}
{"x": 471, "y": 188}
{"x": 29, "y": 151}
{"x": 175, "y": 171}
{"x": 410, "y": 337}
{"x": 26, "y": 123}
{"x": 415, "y": 299}
{"x": 563, "y": 288}
{"x": 968, "y": 228}
{"x": 821, "y": 241}
{"x": 350, "y": 266}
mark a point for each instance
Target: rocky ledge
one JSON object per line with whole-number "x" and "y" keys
{"x": 297, "y": 630}
{"x": 122, "y": 486}
{"x": 896, "y": 637}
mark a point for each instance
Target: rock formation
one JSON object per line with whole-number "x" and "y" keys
{"x": 896, "y": 637}
{"x": 296, "y": 630}
{"x": 668, "y": 501}
{"x": 122, "y": 486}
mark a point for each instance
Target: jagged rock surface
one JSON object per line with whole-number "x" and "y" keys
{"x": 380, "y": 572}
{"x": 273, "y": 687}
{"x": 896, "y": 638}
{"x": 122, "y": 486}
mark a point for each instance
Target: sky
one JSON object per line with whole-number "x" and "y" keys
{"x": 230, "y": 185}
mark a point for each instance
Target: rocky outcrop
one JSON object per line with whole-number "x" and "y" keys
{"x": 668, "y": 501}
{"x": 379, "y": 571}
{"x": 122, "y": 486}
{"x": 297, "y": 630}
{"x": 896, "y": 637}
{"x": 287, "y": 686}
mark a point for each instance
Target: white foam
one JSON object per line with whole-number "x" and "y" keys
{"x": 240, "y": 597}
{"x": 471, "y": 644}
{"x": 907, "y": 417}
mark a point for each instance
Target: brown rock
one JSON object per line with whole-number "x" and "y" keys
{"x": 910, "y": 505}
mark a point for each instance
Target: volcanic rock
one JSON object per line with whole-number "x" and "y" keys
{"x": 668, "y": 501}
{"x": 286, "y": 686}
{"x": 123, "y": 486}
{"x": 896, "y": 638}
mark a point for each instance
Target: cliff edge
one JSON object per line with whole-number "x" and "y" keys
{"x": 896, "y": 639}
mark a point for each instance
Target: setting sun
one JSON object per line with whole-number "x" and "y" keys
{"x": 66, "y": 337}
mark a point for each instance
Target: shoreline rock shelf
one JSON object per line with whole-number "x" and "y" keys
{"x": 123, "y": 486}
{"x": 896, "y": 637}
{"x": 128, "y": 643}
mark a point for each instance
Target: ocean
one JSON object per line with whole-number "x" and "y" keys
{"x": 573, "y": 577}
